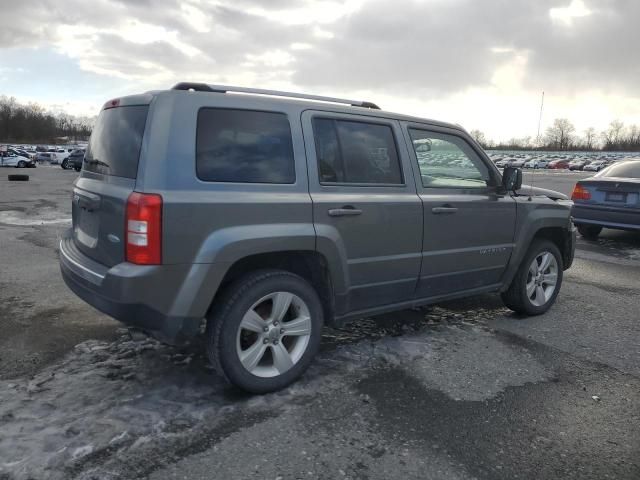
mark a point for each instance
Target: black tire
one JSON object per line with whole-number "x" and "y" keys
{"x": 590, "y": 232}
{"x": 21, "y": 164}
{"x": 77, "y": 169}
{"x": 65, "y": 164}
{"x": 18, "y": 177}
{"x": 224, "y": 320}
{"x": 516, "y": 297}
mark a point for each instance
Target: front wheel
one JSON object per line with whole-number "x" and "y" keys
{"x": 65, "y": 164}
{"x": 22, "y": 164}
{"x": 537, "y": 283}
{"x": 265, "y": 330}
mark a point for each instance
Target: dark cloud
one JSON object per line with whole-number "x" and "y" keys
{"x": 442, "y": 47}
{"x": 421, "y": 47}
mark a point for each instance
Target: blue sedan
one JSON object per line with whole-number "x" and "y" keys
{"x": 609, "y": 199}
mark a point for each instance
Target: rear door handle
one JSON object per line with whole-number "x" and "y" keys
{"x": 443, "y": 210}
{"x": 346, "y": 211}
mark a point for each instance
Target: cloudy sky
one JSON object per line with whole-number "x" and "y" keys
{"x": 480, "y": 63}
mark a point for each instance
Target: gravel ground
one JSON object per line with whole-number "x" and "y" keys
{"x": 461, "y": 390}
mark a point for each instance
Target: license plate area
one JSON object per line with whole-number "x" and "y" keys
{"x": 616, "y": 197}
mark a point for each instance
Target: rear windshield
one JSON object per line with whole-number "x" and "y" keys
{"x": 623, "y": 169}
{"x": 115, "y": 142}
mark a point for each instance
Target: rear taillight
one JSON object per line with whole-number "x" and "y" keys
{"x": 144, "y": 229}
{"x": 580, "y": 193}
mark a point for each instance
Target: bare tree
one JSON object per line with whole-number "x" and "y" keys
{"x": 560, "y": 134}
{"x": 590, "y": 138}
{"x": 479, "y": 137}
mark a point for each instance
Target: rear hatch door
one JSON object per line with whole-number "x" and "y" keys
{"x": 108, "y": 177}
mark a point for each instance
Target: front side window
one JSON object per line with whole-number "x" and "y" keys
{"x": 244, "y": 146}
{"x": 447, "y": 161}
{"x": 356, "y": 152}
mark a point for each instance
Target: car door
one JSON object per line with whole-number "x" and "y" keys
{"x": 469, "y": 225}
{"x": 366, "y": 210}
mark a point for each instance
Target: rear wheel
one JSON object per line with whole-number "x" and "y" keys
{"x": 265, "y": 330}
{"x": 589, "y": 232}
{"x": 537, "y": 283}
{"x": 65, "y": 164}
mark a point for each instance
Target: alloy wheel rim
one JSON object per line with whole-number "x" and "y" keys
{"x": 273, "y": 334}
{"x": 542, "y": 278}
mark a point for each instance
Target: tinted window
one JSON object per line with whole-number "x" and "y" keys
{"x": 625, "y": 169}
{"x": 447, "y": 161}
{"x": 114, "y": 147}
{"x": 244, "y": 146}
{"x": 356, "y": 152}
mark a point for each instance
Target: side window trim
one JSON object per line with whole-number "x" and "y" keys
{"x": 369, "y": 121}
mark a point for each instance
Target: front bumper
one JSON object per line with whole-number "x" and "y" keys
{"x": 144, "y": 297}
{"x": 621, "y": 218}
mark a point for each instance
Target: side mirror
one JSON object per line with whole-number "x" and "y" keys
{"x": 511, "y": 179}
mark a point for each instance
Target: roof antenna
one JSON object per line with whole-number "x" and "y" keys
{"x": 537, "y": 145}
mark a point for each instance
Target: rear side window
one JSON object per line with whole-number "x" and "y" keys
{"x": 356, "y": 152}
{"x": 114, "y": 147}
{"x": 244, "y": 146}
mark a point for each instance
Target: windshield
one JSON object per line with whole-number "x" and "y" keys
{"x": 115, "y": 142}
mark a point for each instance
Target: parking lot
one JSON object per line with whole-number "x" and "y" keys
{"x": 461, "y": 390}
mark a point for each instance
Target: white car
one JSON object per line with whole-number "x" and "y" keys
{"x": 595, "y": 166}
{"x": 505, "y": 162}
{"x": 50, "y": 157}
{"x": 537, "y": 163}
{"x": 10, "y": 159}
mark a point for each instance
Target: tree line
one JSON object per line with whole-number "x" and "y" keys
{"x": 32, "y": 123}
{"x": 562, "y": 135}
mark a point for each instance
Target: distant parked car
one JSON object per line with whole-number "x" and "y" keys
{"x": 21, "y": 153}
{"x": 518, "y": 162}
{"x": 559, "y": 164}
{"x": 74, "y": 160}
{"x": 595, "y": 166}
{"x": 610, "y": 199}
{"x": 537, "y": 163}
{"x": 10, "y": 159}
{"x": 50, "y": 157}
{"x": 505, "y": 162}
{"x": 578, "y": 164}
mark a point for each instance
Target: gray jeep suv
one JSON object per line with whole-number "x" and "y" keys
{"x": 264, "y": 215}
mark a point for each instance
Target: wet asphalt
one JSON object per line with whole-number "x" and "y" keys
{"x": 462, "y": 390}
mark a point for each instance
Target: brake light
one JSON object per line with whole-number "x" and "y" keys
{"x": 580, "y": 193}
{"x": 144, "y": 229}
{"x": 111, "y": 104}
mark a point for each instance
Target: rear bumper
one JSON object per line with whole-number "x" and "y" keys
{"x": 604, "y": 216}
{"x": 570, "y": 249}
{"x": 144, "y": 297}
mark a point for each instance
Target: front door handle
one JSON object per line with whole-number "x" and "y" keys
{"x": 346, "y": 211}
{"x": 443, "y": 210}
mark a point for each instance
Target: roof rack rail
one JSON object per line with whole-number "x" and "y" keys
{"x": 204, "y": 87}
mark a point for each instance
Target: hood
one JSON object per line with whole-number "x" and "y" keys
{"x": 541, "y": 192}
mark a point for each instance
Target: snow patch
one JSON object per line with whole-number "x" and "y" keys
{"x": 44, "y": 217}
